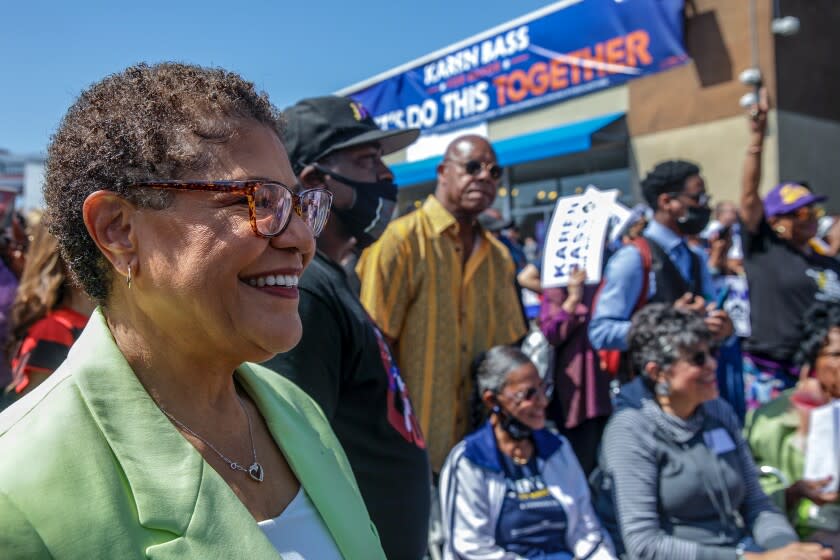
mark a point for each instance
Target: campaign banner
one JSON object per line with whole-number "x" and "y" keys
{"x": 568, "y": 49}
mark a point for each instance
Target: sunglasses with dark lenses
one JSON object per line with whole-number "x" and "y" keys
{"x": 807, "y": 213}
{"x": 699, "y": 358}
{"x": 270, "y": 204}
{"x": 474, "y": 167}
{"x": 701, "y": 198}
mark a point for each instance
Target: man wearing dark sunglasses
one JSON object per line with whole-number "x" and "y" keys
{"x": 441, "y": 287}
{"x": 660, "y": 266}
{"x": 343, "y": 360}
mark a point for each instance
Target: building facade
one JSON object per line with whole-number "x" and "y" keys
{"x": 689, "y": 109}
{"x": 22, "y": 178}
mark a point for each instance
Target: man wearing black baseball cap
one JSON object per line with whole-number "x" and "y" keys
{"x": 334, "y": 139}
{"x": 343, "y": 361}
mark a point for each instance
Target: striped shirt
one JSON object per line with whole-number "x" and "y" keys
{"x": 643, "y": 469}
{"x": 46, "y": 345}
{"x": 441, "y": 312}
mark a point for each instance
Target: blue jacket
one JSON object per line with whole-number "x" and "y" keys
{"x": 472, "y": 490}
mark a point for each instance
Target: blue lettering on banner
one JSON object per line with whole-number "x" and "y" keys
{"x": 573, "y": 50}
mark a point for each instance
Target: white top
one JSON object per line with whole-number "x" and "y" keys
{"x": 299, "y": 533}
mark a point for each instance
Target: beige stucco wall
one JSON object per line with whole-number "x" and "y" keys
{"x": 809, "y": 149}
{"x": 718, "y": 147}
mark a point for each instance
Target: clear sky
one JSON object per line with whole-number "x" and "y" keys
{"x": 290, "y": 49}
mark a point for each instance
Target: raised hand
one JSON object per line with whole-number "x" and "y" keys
{"x": 574, "y": 291}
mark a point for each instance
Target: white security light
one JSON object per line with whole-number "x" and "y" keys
{"x": 748, "y": 100}
{"x": 785, "y": 26}
{"x": 750, "y": 77}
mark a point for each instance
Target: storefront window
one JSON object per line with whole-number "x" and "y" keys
{"x": 534, "y": 196}
{"x": 604, "y": 180}
{"x": 531, "y": 203}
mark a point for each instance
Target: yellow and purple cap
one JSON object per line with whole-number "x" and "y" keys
{"x": 788, "y": 197}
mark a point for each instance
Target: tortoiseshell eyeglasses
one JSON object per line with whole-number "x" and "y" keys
{"x": 270, "y": 204}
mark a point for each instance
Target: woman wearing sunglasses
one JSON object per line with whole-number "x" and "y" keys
{"x": 177, "y": 211}
{"x": 513, "y": 489}
{"x": 785, "y": 274}
{"x": 677, "y": 479}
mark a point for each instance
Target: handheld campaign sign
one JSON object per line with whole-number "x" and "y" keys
{"x": 576, "y": 237}
{"x": 737, "y": 304}
{"x": 620, "y": 215}
{"x": 822, "y": 456}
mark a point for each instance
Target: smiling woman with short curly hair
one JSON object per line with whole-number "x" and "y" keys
{"x": 173, "y": 200}
{"x": 142, "y": 124}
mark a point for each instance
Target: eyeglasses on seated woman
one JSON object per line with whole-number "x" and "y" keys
{"x": 676, "y": 478}
{"x": 175, "y": 207}
{"x": 513, "y": 489}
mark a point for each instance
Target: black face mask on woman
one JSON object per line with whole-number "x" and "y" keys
{"x": 514, "y": 427}
{"x": 695, "y": 220}
{"x": 372, "y": 207}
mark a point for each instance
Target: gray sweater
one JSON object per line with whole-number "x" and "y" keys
{"x": 677, "y": 498}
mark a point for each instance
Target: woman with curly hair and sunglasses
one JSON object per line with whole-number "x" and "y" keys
{"x": 677, "y": 479}
{"x": 176, "y": 209}
{"x": 513, "y": 489}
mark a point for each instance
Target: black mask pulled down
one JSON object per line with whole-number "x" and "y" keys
{"x": 514, "y": 427}
{"x": 372, "y": 207}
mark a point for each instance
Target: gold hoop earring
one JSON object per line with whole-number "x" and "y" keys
{"x": 128, "y": 279}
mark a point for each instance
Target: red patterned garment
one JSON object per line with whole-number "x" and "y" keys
{"x": 46, "y": 345}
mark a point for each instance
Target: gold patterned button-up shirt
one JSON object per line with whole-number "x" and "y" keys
{"x": 441, "y": 313}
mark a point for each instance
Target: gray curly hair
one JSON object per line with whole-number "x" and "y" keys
{"x": 661, "y": 334}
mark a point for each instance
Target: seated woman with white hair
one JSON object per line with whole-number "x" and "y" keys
{"x": 513, "y": 489}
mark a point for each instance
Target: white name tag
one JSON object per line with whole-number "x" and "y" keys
{"x": 719, "y": 441}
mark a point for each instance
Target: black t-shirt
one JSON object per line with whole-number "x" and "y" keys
{"x": 783, "y": 283}
{"x": 344, "y": 363}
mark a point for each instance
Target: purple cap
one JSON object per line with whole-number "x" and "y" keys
{"x": 787, "y": 197}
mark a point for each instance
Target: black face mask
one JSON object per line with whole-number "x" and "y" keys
{"x": 695, "y": 220}
{"x": 372, "y": 208}
{"x": 514, "y": 427}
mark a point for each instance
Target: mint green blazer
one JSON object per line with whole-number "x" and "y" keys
{"x": 91, "y": 468}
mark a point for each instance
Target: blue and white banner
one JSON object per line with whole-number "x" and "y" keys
{"x": 571, "y": 48}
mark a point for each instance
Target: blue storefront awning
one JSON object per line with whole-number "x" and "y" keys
{"x": 566, "y": 139}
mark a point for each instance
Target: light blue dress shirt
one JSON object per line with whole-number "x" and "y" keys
{"x": 623, "y": 285}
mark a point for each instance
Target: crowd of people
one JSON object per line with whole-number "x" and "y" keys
{"x": 220, "y": 344}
